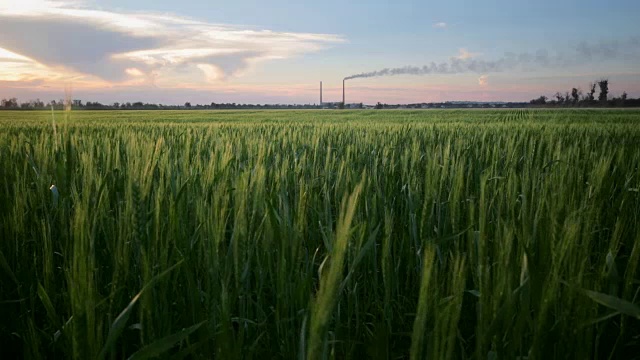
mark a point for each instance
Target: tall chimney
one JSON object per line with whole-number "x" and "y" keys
{"x": 343, "y": 103}
{"x": 320, "y": 93}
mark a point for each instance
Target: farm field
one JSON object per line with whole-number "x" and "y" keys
{"x": 481, "y": 234}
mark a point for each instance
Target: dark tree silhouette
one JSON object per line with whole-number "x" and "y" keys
{"x": 9, "y": 103}
{"x": 604, "y": 90}
{"x": 575, "y": 98}
{"x": 590, "y": 96}
{"x": 542, "y": 100}
{"x": 575, "y": 94}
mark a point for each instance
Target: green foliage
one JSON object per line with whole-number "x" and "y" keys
{"x": 319, "y": 234}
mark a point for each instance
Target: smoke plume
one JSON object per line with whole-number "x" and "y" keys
{"x": 579, "y": 54}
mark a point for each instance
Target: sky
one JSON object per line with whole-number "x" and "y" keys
{"x": 249, "y": 51}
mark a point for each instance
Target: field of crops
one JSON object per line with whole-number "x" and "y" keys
{"x": 320, "y": 234}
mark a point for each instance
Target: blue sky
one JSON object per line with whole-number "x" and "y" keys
{"x": 277, "y": 52}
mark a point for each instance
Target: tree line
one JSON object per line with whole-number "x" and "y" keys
{"x": 574, "y": 98}
{"x": 14, "y": 104}
{"x": 577, "y": 98}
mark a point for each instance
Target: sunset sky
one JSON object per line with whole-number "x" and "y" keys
{"x": 249, "y": 51}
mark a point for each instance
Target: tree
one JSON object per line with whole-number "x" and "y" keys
{"x": 604, "y": 90}
{"x": 378, "y": 105}
{"x": 590, "y": 96}
{"x": 9, "y": 103}
{"x": 575, "y": 94}
{"x": 559, "y": 98}
{"x": 542, "y": 100}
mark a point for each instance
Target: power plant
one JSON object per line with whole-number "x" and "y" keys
{"x": 332, "y": 104}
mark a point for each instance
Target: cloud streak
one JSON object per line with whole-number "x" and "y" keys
{"x": 73, "y": 41}
{"x": 583, "y": 53}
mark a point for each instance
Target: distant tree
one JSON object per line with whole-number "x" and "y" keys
{"x": 116, "y": 105}
{"x": 542, "y": 100}
{"x": 11, "y": 103}
{"x": 57, "y": 105}
{"x": 575, "y": 94}
{"x": 36, "y": 104}
{"x": 590, "y": 96}
{"x": 604, "y": 90}
{"x": 619, "y": 101}
{"x": 379, "y": 105}
{"x": 559, "y": 98}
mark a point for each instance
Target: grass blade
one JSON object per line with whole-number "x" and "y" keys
{"x": 615, "y": 303}
{"x": 160, "y": 346}
{"x": 121, "y": 321}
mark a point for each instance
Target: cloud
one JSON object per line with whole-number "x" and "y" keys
{"x": 464, "y": 54}
{"x": 72, "y": 41}
{"x": 483, "y": 80}
{"x": 440, "y": 25}
{"x": 212, "y": 72}
{"x": 134, "y": 72}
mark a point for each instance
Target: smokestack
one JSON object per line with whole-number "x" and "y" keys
{"x": 321, "y": 93}
{"x": 343, "y": 103}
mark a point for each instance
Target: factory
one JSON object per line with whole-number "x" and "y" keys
{"x": 342, "y": 104}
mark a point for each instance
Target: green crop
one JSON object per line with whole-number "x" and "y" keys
{"x": 478, "y": 234}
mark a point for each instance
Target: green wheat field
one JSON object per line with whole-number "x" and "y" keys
{"x": 453, "y": 234}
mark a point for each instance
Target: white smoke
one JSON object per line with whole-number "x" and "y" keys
{"x": 579, "y": 54}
